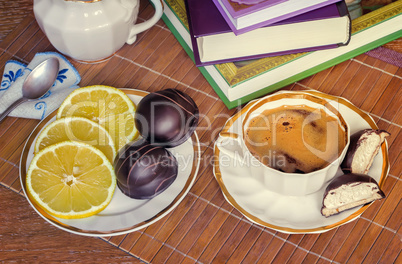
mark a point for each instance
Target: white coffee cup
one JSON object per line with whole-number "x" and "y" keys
{"x": 292, "y": 184}
{"x": 92, "y": 30}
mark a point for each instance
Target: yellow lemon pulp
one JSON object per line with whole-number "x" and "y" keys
{"x": 71, "y": 180}
{"x": 108, "y": 106}
{"x": 77, "y": 129}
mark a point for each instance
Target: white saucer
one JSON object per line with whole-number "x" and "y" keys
{"x": 291, "y": 214}
{"x": 123, "y": 214}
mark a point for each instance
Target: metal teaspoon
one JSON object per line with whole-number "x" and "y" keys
{"x": 37, "y": 83}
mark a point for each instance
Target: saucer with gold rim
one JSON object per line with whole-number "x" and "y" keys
{"x": 123, "y": 214}
{"x": 291, "y": 214}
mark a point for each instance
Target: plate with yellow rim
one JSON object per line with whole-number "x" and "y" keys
{"x": 292, "y": 214}
{"x": 123, "y": 214}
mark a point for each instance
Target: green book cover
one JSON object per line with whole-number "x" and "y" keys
{"x": 239, "y": 82}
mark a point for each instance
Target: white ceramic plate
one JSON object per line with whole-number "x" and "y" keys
{"x": 291, "y": 214}
{"x": 123, "y": 214}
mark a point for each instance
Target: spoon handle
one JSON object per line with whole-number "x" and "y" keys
{"x": 11, "y": 108}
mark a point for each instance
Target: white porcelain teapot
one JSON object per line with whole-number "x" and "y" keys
{"x": 92, "y": 30}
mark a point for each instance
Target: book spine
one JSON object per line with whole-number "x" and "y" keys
{"x": 342, "y": 8}
{"x": 196, "y": 51}
{"x": 343, "y": 11}
{"x": 226, "y": 17}
{"x": 250, "y": 8}
{"x": 239, "y": 31}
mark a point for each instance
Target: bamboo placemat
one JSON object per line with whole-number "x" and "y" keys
{"x": 204, "y": 227}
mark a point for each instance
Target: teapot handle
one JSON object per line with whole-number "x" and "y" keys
{"x": 138, "y": 28}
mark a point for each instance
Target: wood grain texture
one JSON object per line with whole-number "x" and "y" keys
{"x": 11, "y": 14}
{"x": 204, "y": 228}
{"x": 25, "y": 237}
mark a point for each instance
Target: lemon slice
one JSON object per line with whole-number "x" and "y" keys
{"x": 71, "y": 180}
{"x": 77, "y": 129}
{"x": 108, "y": 106}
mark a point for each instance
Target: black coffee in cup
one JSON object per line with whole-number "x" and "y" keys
{"x": 295, "y": 138}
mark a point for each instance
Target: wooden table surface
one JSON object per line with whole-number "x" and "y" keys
{"x": 204, "y": 228}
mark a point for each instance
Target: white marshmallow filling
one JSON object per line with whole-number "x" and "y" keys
{"x": 365, "y": 153}
{"x": 350, "y": 195}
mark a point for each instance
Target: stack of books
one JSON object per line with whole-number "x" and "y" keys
{"x": 243, "y": 61}
{"x": 228, "y": 30}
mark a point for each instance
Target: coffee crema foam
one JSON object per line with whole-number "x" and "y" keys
{"x": 298, "y": 139}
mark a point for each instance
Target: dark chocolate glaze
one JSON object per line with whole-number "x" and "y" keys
{"x": 355, "y": 142}
{"x": 346, "y": 164}
{"x": 350, "y": 178}
{"x": 144, "y": 170}
{"x": 167, "y": 118}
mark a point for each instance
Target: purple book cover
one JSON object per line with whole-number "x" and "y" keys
{"x": 273, "y": 20}
{"x": 238, "y": 8}
{"x": 204, "y": 19}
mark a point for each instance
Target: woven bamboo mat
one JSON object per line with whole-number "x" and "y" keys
{"x": 204, "y": 227}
